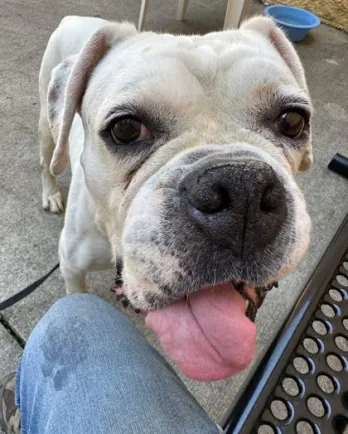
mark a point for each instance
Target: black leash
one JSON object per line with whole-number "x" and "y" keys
{"x": 26, "y": 291}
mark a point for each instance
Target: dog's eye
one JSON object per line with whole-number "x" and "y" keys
{"x": 291, "y": 124}
{"x": 128, "y": 130}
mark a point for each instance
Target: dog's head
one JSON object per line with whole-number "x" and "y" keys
{"x": 191, "y": 146}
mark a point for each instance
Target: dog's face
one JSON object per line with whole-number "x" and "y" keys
{"x": 191, "y": 146}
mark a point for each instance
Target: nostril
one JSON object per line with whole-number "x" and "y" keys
{"x": 270, "y": 199}
{"x": 209, "y": 201}
{"x": 215, "y": 200}
{"x": 221, "y": 200}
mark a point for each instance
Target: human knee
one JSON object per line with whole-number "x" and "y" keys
{"x": 70, "y": 314}
{"x": 86, "y": 306}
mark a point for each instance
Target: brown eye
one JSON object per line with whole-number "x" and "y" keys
{"x": 291, "y": 124}
{"x": 126, "y": 130}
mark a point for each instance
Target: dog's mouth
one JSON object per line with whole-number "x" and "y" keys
{"x": 209, "y": 334}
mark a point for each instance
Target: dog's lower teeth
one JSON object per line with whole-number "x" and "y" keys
{"x": 246, "y": 304}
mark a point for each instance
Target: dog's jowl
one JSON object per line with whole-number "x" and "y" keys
{"x": 183, "y": 152}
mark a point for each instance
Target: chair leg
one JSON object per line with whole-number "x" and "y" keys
{"x": 233, "y": 14}
{"x": 181, "y": 11}
{"x": 245, "y": 10}
{"x": 143, "y": 11}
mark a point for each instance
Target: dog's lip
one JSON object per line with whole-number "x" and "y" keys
{"x": 247, "y": 292}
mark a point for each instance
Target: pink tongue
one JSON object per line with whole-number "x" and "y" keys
{"x": 208, "y": 336}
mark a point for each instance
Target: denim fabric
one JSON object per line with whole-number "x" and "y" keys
{"x": 87, "y": 370}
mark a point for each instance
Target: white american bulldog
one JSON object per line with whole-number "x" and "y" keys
{"x": 183, "y": 152}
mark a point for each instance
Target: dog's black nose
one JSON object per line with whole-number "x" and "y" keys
{"x": 239, "y": 205}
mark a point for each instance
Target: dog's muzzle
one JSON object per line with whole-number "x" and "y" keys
{"x": 223, "y": 229}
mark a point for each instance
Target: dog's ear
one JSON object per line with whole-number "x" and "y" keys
{"x": 95, "y": 49}
{"x": 268, "y": 28}
{"x": 55, "y": 95}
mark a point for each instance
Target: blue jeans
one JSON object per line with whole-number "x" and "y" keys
{"x": 87, "y": 370}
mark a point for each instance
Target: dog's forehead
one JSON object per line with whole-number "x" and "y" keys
{"x": 197, "y": 45}
{"x": 186, "y": 68}
{"x": 202, "y": 56}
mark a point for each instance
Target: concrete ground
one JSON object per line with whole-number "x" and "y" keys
{"x": 29, "y": 236}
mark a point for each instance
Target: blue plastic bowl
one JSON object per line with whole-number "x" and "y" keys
{"x": 296, "y": 22}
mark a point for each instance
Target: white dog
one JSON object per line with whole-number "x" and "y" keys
{"x": 183, "y": 151}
